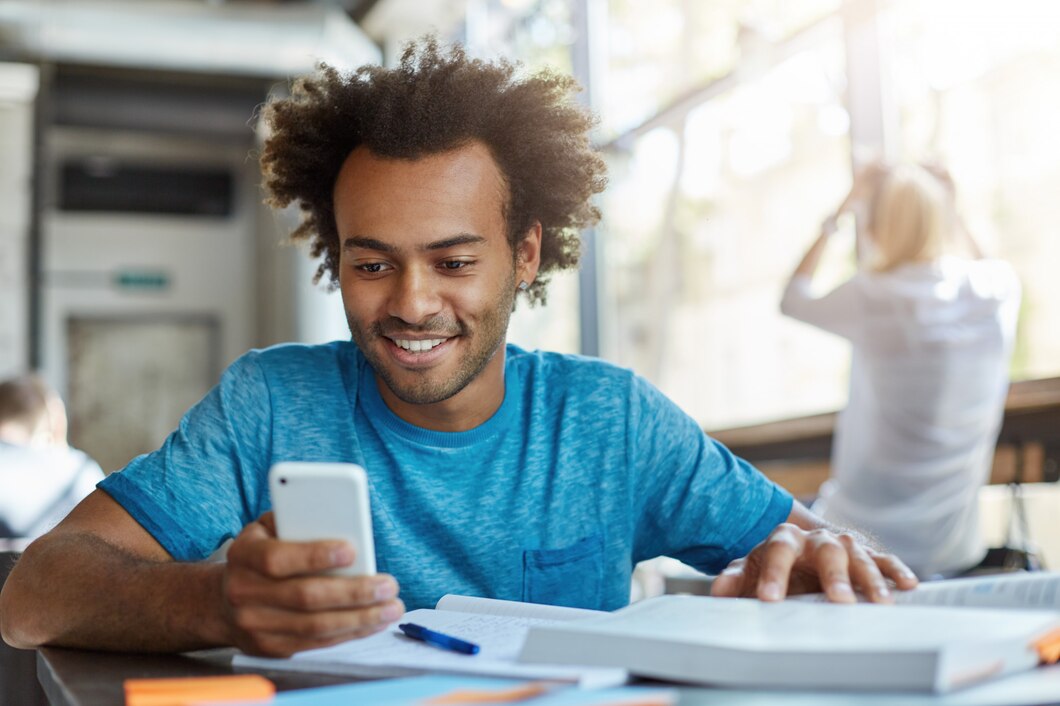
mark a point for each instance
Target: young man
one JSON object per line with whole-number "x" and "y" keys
{"x": 436, "y": 192}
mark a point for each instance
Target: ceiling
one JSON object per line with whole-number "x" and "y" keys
{"x": 267, "y": 38}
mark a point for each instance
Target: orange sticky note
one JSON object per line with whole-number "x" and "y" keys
{"x": 1048, "y": 647}
{"x": 192, "y": 690}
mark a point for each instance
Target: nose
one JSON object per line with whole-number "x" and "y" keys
{"x": 414, "y": 298}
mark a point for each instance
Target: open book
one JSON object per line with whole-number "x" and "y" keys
{"x": 1031, "y": 590}
{"x": 937, "y": 646}
{"x": 498, "y": 627}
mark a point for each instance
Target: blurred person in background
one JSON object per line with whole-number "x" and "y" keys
{"x": 41, "y": 477}
{"x": 932, "y": 324}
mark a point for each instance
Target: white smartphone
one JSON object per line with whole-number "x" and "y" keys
{"x": 314, "y": 501}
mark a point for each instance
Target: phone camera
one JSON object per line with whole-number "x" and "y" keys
{"x": 283, "y": 481}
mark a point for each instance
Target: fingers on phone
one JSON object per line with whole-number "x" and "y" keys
{"x": 335, "y": 592}
{"x": 277, "y": 559}
{"x": 268, "y": 521}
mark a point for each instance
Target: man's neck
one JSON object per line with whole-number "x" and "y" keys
{"x": 465, "y": 410}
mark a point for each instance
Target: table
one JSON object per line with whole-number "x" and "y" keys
{"x": 86, "y": 678}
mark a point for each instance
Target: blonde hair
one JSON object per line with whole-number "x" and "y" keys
{"x": 29, "y": 406}
{"x": 912, "y": 218}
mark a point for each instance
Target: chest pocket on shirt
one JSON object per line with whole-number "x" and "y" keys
{"x": 571, "y": 576}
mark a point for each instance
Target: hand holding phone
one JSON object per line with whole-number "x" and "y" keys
{"x": 286, "y": 596}
{"x": 320, "y": 501}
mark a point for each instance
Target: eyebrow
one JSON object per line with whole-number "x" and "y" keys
{"x": 360, "y": 241}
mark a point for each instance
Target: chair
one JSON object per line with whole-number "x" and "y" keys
{"x": 18, "y": 668}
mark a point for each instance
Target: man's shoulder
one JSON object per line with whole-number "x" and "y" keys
{"x": 576, "y": 381}
{"x": 300, "y": 353}
{"x": 294, "y": 358}
{"x": 558, "y": 368}
{"x": 292, "y": 370}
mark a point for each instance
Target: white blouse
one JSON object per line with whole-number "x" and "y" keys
{"x": 928, "y": 379}
{"x": 39, "y": 486}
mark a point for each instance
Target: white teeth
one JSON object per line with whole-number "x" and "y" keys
{"x": 417, "y": 346}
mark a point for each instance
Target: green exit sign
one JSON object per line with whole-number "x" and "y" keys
{"x": 142, "y": 279}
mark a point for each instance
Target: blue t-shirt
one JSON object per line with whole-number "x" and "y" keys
{"x": 583, "y": 471}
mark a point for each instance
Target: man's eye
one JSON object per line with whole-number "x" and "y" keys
{"x": 371, "y": 267}
{"x": 455, "y": 264}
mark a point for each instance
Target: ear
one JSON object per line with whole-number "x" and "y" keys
{"x": 528, "y": 254}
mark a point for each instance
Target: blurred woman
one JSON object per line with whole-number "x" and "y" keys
{"x": 932, "y": 324}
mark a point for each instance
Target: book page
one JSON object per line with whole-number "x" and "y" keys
{"x": 515, "y": 609}
{"x": 1023, "y": 589}
{"x": 789, "y": 626}
{"x": 1036, "y": 589}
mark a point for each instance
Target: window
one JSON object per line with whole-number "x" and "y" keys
{"x": 657, "y": 51}
{"x": 976, "y": 85}
{"x": 540, "y": 35}
{"x": 704, "y": 220}
{"x": 728, "y": 128}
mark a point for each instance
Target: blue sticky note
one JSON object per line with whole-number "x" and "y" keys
{"x": 389, "y": 692}
{"x": 414, "y": 691}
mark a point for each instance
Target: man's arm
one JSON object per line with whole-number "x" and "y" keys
{"x": 99, "y": 580}
{"x": 807, "y": 555}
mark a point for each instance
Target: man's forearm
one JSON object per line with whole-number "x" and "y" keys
{"x": 76, "y": 590}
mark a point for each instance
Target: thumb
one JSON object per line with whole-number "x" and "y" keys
{"x": 730, "y": 582}
{"x": 268, "y": 521}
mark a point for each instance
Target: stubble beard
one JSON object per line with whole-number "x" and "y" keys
{"x": 426, "y": 388}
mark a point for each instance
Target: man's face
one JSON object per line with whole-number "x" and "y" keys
{"x": 427, "y": 275}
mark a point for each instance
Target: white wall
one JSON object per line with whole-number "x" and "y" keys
{"x": 18, "y": 89}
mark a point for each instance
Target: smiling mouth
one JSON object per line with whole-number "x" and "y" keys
{"x": 418, "y": 346}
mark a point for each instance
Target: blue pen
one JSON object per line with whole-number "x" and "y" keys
{"x": 437, "y": 639}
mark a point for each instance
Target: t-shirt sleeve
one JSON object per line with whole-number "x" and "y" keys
{"x": 698, "y": 502}
{"x": 207, "y": 480}
{"x": 840, "y": 311}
